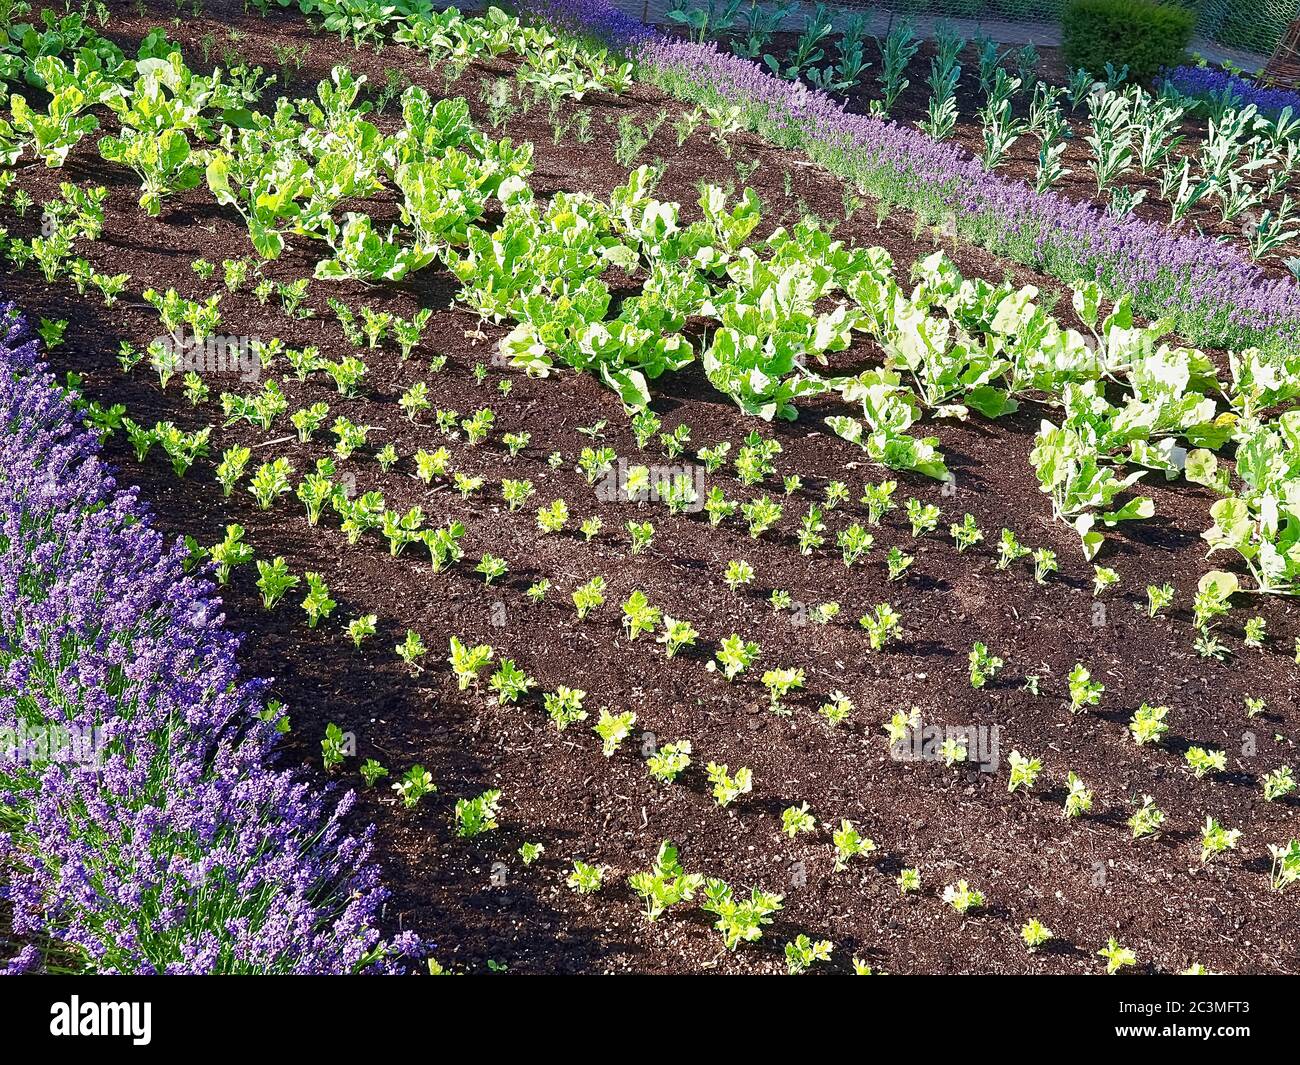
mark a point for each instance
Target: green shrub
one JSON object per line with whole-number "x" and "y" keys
{"x": 1143, "y": 35}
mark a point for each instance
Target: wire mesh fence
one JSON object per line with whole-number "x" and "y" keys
{"x": 1251, "y": 25}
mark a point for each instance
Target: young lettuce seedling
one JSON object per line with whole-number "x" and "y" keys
{"x": 717, "y": 506}
{"x": 879, "y": 500}
{"x": 738, "y": 574}
{"x": 909, "y": 881}
{"x": 1158, "y": 598}
{"x": 966, "y": 534}
{"x": 510, "y": 682}
{"x": 779, "y": 683}
{"x": 1024, "y": 772}
{"x": 882, "y": 626}
{"x": 796, "y": 819}
{"x": 1203, "y": 762}
{"x": 230, "y": 552}
{"x": 1286, "y": 865}
{"x": 553, "y": 518}
{"x": 963, "y": 898}
{"x": 564, "y": 706}
{"x": 1278, "y": 784}
{"x": 1103, "y": 579}
{"x": 837, "y": 492}
{"x": 586, "y": 879}
{"x": 467, "y": 661}
{"x": 811, "y": 528}
{"x": 639, "y": 616}
{"x": 1215, "y": 839}
{"x": 1009, "y": 549}
{"x": 1147, "y": 819}
{"x": 411, "y": 650}
{"x": 1035, "y": 934}
{"x": 516, "y": 493}
{"x": 274, "y": 580}
{"x": 491, "y": 568}
{"x": 761, "y": 514}
{"x": 849, "y": 844}
{"x": 676, "y": 635}
{"x": 1255, "y": 632}
{"x": 613, "y": 729}
{"x": 924, "y": 518}
{"x": 1078, "y": 799}
{"x": 854, "y": 543}
{"x": 641, "y": 535}
{"x": 983, "y": 665}
{"x": 333, "y": 747}
{"x": 1045, "y": 564}
{"x": 898, "y": 563}
{"x": 416, "y": 783}
{"x": 736, "y": 655}
{"x": 836, "y": 709}
{"x": 666, "y": 884}
{"x": 1084, "y": 691}
{"x": 589, "y": 596}
{"x": 726, "y": 788}
{"x": 317, "y": 604}
{"x": 478, "y": 815}
{"x": 669, "y": 762}
{"x": 739, "y": 921}
{"x": 802, "y": 953}
{"x": 1117, "y": 957}
{"x": 1148, "y": 724}
{"x": 362, "y": 628}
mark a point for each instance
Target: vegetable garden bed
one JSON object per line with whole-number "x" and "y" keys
{"x": 476, "y": 894}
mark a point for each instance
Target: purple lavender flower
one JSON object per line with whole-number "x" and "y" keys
{"x": 180, "y": 847}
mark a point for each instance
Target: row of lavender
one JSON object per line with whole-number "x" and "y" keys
{"x": 1211, "y": 295}
{"x": 144, "y": 826}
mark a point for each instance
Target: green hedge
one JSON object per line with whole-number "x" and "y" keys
{"x": 1144, "y": 35}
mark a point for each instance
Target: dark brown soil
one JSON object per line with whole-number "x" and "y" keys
{"x": 1085, "y": 879}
